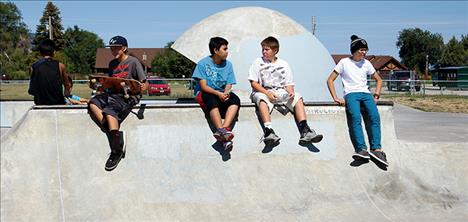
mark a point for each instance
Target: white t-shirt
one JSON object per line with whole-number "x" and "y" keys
{"x": 354, "y": 74}
{"x": 271, "y": 75}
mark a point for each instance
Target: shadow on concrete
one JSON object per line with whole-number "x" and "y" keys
{"x": 358, "y": 162}
{"x": 225, "y": 154}
{"x": 379, "y": 164}
{"x": 310, "y": 146}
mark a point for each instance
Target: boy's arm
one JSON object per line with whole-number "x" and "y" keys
{"x": 290, "y": 90}
{"x": 66, "y": 82}
{"x": 32, "y": 84}
{"x": 206, "y": 89}
{"x": 378, "y": 87}
{"x": 331, "y": 88}
{"x": 259, "y": 88}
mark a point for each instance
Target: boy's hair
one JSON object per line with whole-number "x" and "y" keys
{"x": 216, "y": 43}
{"x": 271, "y": 42}
{"x": 47, "y": 47}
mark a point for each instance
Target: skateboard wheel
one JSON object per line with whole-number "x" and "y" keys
{"x": 122, "y": 83}
{"x": 93, "y": 80}
{"x": 126, "y": 96}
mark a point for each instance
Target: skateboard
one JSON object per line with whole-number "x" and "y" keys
{"x": 107, "y": 84}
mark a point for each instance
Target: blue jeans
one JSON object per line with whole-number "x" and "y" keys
{"x": 357, "y": 103}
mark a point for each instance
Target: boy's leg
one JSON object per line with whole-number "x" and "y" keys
{"x": 233, "y": 104}
{"x": 374, "y": 126}
{"x": 374, "y": 121}
{"x": 215, "y": 117}
{"x": 265, "y": 107}
{"x": 307, "y": 134}
{"x": 353, "y": 116}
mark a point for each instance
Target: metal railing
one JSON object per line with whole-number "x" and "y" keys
{"x": 423, "y": 87}
{"x": 183, "y": 88}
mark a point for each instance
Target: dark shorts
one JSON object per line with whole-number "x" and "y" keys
{"x": 211, "y": 101}
{"x": 114, "y": 105}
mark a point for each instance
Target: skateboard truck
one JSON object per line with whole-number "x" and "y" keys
{"x": 125, "y": 89}
{"x": 95, "y": 84}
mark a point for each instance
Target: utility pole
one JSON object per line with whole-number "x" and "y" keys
{"x": 50, "y": 28}
{"x": 427, "y": 68}
{"x": 144, "y": 57}
{"x": 313, "y": 25}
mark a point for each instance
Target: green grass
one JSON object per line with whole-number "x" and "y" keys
{"x": 19, "y": 91}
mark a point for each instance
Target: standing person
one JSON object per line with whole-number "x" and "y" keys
{"x": 109, "y": 109}
{"x": 354, "y": 71}
{"x": 214, "y": 78}
{"x": 49, "y": 82}
{"x": 272, "y": 83}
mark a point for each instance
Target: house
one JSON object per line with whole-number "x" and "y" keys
{"x": 145, "y": 55}
{"x": 382, "y": 64}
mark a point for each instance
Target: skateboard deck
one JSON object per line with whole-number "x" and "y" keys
{"x": 126, "y": 87}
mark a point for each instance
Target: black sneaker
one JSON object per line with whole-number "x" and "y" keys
{"x": 270, "y": 137}
{"x": 363, "y": 154}
{"x": 379, "y": 156}
{"x": 113, "y": 160}
{"x": 308, "y": 135}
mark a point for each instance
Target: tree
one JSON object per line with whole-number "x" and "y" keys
{"x": 14, "y": 42}
{"x": 42, "y": 31}
{"x": 415, "y": 44}
{"x": 453, "y": 54}
{"x": 464, "y": 43}
{"x": 171, "y": 64}
{"x": 80, "y": 48}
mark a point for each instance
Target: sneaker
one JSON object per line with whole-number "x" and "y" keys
{"x": 380, "y": 156}
{"x": 308, "y": 135}
{"x": 363, "y": 154}
{"x": 113, "y": 160}
{"x": 270, "y": 137}
{"x": 223, "y": 134}
{"x": 228, "y": 146}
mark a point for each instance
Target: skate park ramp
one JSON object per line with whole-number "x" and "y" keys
{"x": 52, "y": 169}
{"x": 245, "y": 28}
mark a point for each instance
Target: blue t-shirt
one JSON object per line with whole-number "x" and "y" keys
{"x": 216, "y": 76}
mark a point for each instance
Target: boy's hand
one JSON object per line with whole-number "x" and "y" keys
{"x": 143, "y": 86}
{"x": 271, "y": 96}
{"x": 222, "y": 96}
{"x": 340, "y": 101}
{"x": 291, "y": 95}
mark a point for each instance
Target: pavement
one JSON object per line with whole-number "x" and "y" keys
{"x": 419, "y": 126}
{"x": 52, "y": 169}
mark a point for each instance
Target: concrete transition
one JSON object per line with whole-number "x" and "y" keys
{"x": 245, "y": 28}
{"x": 52, "y": 169}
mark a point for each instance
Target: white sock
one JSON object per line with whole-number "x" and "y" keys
{"x": 268, "y": 125}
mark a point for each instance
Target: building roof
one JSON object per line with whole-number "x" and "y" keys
{"x": 380, "y": 62}
{"x": 104, "y": 56}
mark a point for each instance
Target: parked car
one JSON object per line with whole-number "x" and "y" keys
{"x": 158, "y": 87}
{"x": 401, "y": 81}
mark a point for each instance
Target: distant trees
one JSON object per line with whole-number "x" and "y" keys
{"x": 14, "y": 42}
{"x": 172, "y": 64}
{"x": 80, "y": 49}
{"x": 42, "y": 30}
{"x": 453, "y": 54}
{"x": 415, "y": 44}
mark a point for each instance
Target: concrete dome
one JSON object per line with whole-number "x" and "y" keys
{"x": 245, "y": 28}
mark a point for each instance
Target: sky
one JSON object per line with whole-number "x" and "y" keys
{"x": 152, "y": 24}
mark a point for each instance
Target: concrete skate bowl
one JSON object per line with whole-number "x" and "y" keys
{"x": 52, "y": 169}
{"x": 245, "y": 28}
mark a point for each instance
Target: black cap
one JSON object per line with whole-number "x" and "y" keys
{"x": 117, "y": 41}
{"x": 357, "y": 43}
